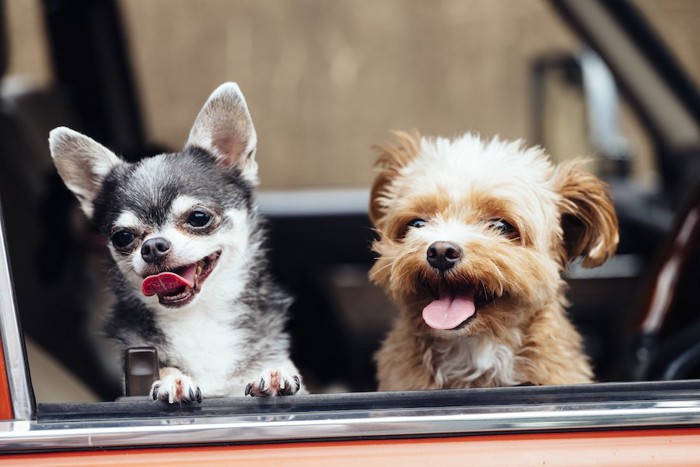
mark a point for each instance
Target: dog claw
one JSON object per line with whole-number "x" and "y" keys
{"x": 195, "y": 395}
{"x": 168, "y": 388}
{"x": 274, "y": 383}
{"x": 291, "y": 389}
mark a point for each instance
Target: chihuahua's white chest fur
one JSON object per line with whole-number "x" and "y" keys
{"x": 209, "y": 365}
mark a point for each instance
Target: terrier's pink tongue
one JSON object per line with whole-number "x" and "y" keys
{"x": 449, "y": 311}
{"x": 168, "y": 282}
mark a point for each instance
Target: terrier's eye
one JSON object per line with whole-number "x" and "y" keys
{"x": 417, "y": 223}
{"x": 123, "y": 239}
{"x": 198, "y": 219}
{"x": 504, "y": 228}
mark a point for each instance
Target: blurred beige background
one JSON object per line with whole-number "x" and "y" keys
{"x": 327, "y": 80}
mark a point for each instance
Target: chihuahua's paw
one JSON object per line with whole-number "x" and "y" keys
{"x": 176, "y": 388}
{"x": 274, "y": 383}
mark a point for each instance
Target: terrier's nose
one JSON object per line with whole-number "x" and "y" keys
{"x": 154, "y": 250}
{"x": 444, "y": 255}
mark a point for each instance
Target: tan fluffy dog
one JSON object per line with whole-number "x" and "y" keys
{"x": 473, "y": 238}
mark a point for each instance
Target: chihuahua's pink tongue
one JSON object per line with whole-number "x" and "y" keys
{"x": 449, "y": 311}
{"x": 168, "y": 282}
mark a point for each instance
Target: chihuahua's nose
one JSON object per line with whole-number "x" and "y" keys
{"x": 444, "y": 255}
{"x": 154, "y": 250}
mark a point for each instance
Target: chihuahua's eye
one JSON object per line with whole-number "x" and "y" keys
{"x": 504, "y": 228}
{"x": 198, "y": 219}
{"x": 123, "y": 239}
{"x": 416, "y": 223}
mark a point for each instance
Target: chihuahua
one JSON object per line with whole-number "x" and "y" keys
{"x": 191, "y": 276}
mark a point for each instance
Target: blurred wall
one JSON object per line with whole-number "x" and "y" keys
{"x": 28, "y": 55}
{"x": 325, "y": 80}
{"x": 678, "y": 23}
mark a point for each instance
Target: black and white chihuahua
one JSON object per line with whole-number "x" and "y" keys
{"x": 191, "y": 276}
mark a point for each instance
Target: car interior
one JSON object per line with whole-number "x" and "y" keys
{"x": 605, "y": 79}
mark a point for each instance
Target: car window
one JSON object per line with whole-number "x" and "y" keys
{"x": 325, "y": 82}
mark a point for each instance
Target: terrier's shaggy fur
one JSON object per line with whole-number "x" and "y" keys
{"x": 473, "y": 238}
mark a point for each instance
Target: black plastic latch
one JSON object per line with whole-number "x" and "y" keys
{"x": 140, "y": 370}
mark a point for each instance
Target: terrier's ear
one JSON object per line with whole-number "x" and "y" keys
{"x": 225, "y": 129}
{"x": 588, "y": 218}
{"x": 82, "y": 163}
{"x": 392, "y": 158}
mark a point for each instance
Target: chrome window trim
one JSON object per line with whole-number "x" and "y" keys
{"x": 15, "y": 358}
{"x": 316, "y": 202}
{"x": 22, "y": 436}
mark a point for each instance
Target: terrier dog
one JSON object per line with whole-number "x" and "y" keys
{"x": 473, "y": 238}
{"x": 186, "y": 236}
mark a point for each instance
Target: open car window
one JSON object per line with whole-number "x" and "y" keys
{"x": 326, "y": 82}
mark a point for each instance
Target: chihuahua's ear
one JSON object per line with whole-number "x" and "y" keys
{"x": 588, "y": 218}
{"x": 225, "y": 129}
{"x": 82, "y": 163}
{"x": 392, "y": 158}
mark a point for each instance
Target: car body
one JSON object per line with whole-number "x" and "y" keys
{"x": 637, "y": 420}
